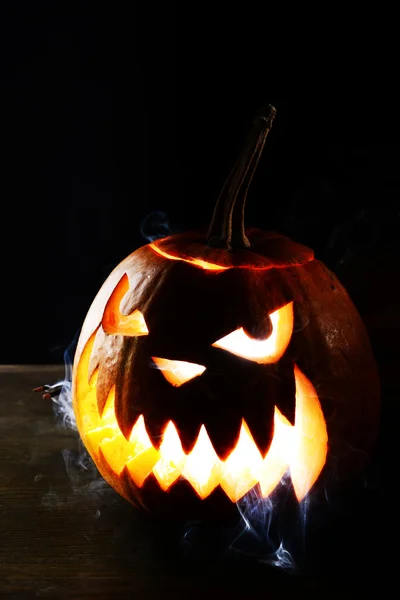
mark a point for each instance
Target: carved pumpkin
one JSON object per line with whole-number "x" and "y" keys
{"x": 210, "y": 364}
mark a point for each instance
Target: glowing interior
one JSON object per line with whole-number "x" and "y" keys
{"x": 114, "y": 322}
{"x": 301, "y": 448}
{"x": 197, "y": 262}
{"x": 178, "y": 372}
{"x": 262, "y": 351}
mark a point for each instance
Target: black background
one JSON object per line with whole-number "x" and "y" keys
{"x": 109, "y": 114}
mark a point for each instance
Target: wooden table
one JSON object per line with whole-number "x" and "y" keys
{"x": 65, "y": 534}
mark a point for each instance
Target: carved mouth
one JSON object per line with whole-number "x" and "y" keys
{"x": 300, "y": 449}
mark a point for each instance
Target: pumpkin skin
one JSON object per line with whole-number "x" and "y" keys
{"x": 186, "y": 309}
{"x": 171, "y": 302}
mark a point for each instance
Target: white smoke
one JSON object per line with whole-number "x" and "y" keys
{"x": 155, "y": 226}
{"x": 254, "y": 536}
{"x": 84, "y": 477}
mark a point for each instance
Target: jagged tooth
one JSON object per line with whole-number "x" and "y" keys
{"x": 126, "y": 419}
{"x": 188, "y": 429}
{"x": 102, "y": 390}
{"x": 260, "y": 421}
{"x": 126, "y": 412}
{"x": 155, "y": 427}
{"x": 224, "y": 433}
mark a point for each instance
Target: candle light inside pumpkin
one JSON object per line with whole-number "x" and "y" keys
{"x": 300, "y": 448}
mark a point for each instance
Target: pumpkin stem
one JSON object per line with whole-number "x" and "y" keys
{"x": 227, "y": 225}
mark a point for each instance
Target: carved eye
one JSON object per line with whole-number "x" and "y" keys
{"x": 178, "y": 372}
{"x": 114, "y": 322}
{"x": 265, "y": 351}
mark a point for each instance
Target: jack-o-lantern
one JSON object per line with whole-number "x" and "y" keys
{"x": 212, "y": 364}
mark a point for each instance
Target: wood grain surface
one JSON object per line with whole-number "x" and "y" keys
{"x": 65, "y": 534}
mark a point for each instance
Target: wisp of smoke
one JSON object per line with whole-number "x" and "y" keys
{"x": 62, "y": 401}
{"x": 81, "y": 470}
{"x": 254, "y": 536}
{"x": 155, "y": 226}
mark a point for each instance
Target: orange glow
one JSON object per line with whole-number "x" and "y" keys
{"x": 197, "y": 262}
{"x": 309, "y": 444}
{"x": 265, "y": 351}
{"x": 301, "y": 448}
{"x": 114, "y": 322}
{"x": 178, "y": 372}
{"x": 172, "y": 458}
